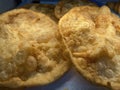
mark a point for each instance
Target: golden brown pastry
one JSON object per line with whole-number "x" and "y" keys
{"x": 92, "y": 35}
{"x": 31, "y": 49}
{"x": 65, "y": 5}
{"x": 44, "y": 8}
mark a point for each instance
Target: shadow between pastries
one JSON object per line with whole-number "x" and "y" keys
{"x": 63, "y": 6}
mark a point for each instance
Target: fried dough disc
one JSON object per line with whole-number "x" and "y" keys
{"x": 31, "y": 49}
{"x": 44, "y": 8}
{"x": 93, "y": 38}
{"x": 65, "y": 5}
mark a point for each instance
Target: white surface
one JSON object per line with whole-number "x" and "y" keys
{"x": 70, "y": 81}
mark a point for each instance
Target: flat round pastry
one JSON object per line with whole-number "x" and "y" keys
{"x": 31, "y": 49}
{"x": 44, "y": 8}
{"x": 65, "y": 5}
{"x": 93, "y": 39}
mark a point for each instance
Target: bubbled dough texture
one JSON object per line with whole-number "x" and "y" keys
{"x": 93, "y": 36}
{"x": 64, "y": 6}
{"x": 31, "y": 49}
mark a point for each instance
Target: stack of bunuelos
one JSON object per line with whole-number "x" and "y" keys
{"x": 36, "y": 49}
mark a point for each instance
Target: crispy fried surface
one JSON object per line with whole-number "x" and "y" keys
{"x": 31, "y": 49}
{"x": 65, "y": 5}
{"x": 43, "y": 8}
{"x": 92, "y": 35}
